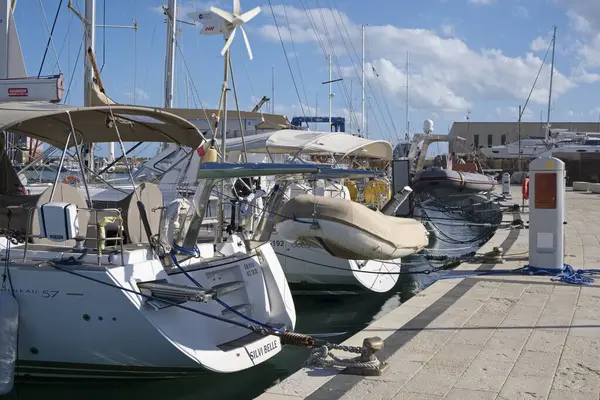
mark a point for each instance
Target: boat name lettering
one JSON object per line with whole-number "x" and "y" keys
{"x": 267, "y": 348}
{"x": 251, "y": 269}
{"x": 301, "y": 245}
{"x": 47, "y": 294}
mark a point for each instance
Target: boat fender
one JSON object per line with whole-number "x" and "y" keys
{"x": 250, "y": 201}
{"x": 463, "y": 183}
{"x": 72, "y": 180}
{"x": 171, "y": 220}
{"x": 9, "y": 321}
{"x": 525, "y": 189}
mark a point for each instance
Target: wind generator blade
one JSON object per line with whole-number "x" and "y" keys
{"x": 247, "y": 42}
{"x": 227, "y": 16}
{"x": 229, "y": 41}
{"x": 237, "y": 10}
{"x": 248, "y": 15}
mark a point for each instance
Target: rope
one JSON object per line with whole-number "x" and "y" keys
{"x": 566, "y": 274}
{"x": 221, "y": 302}
{"x": 6, "y": 275}
{"x": 55, "y": 264}
{"x": 322, "y": 357}
{"x": 287, "y": 59}
{"x": 50, "y": 33}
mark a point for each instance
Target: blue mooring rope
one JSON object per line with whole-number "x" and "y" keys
{"x": 221, "y": 302}
{"x": 567, "y": 274}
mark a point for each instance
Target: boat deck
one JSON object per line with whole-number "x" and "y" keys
{"x": 485, "y": 337}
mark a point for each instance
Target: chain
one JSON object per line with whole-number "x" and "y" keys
{"x": 319, "y": 357}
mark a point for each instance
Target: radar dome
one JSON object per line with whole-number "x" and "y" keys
{"x": 428, "y": 126}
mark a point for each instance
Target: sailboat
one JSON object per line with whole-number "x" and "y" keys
{"x": 131, "y": 291}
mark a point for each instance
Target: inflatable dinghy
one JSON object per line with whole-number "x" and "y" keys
{"x": 443, "y": 182}
{"x": 349, "y": 230}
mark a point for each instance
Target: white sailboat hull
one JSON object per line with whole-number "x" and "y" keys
{"x": 73, "y": 325}
{"x": 313, "y": 270}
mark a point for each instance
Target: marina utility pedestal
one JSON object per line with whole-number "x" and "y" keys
{"x": 506, "y": 184}
{"x": 546, "y": 213}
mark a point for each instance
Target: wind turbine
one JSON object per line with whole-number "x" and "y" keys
{"x": 227, "y": 24}
{"x": 233, "y": 21}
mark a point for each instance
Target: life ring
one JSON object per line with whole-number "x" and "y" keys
{"x": 377, "y": 191}
{"x": 72, "y": 180}
{"x": 525, "y": 189}
{"x": 352, "y": 189}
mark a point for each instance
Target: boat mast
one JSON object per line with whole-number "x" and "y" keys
{"x": 330, "y": 93}
{"x": 362, "y": 127}
{"x": 407, "y": 91}
{"x": 272, "y": 90}
{"x": 88, "y": 77}
{"x": 551, "y": 79}
{"x": 170, "y": 56}
{"x": 220, "y": 204}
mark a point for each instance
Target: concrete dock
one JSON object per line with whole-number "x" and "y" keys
{"x": 485, "y": 337}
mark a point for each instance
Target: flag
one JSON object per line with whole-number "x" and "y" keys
{"x": 203, "y": 147}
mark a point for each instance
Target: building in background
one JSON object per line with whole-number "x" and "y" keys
{"x": 488, "y": 134}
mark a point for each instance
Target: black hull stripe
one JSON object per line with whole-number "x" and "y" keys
{"x": 34, "y": 368}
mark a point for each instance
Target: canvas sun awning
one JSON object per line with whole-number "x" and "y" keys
{"x": 49, "y": 123}
{"x": 290, "y": 141}
{"x": 268, "y": 121}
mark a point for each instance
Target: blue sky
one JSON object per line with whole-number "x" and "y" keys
{"x": 467, "y": 57}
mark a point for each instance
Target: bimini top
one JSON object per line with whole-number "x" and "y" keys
{"x": 49, "y": 123}
{"x": 291, "y": 141}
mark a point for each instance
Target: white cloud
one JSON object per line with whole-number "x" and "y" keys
{"x": 527, "y": 114}
{"x": 539, "y": 44}
{"x": 482, "y": 2}
{"x": 571, "y": 113}
{"x": 595, "y": 112}
{"x": 446, "y": 74}
{"x": 590, "y": 52}
{"x": 448, "y": 30}
{"x": 185, "y": 7}
{"x": 140, "y": 95}
{"x": 520, "y": 12}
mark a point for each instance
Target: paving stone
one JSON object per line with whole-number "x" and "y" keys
{"x": 399, "y": 371}
{"x": 475, "y": 337}
{"x": 581, "y": 348}
{"x": 571, "y": 395}
{"x": 578, "y": 375}
{"x": 546, "y": 341}
{"x": 525, "y": 387}
{"x": 467, "y": 394}
{"x": 373, "y": 390}
{"x": 585, "y": 327}
{"x": 502, "y": 349}
{"x": 455, "y": 358}
{"x": 509, "y": 291}
{"x": 485, "y": 375}
{"x": 274, "y": 396}
{"x": 403, "y": 395}
{"x": 536, "y": 363}
{"x": 432, "y": 379}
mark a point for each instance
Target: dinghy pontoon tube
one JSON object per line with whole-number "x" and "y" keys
{"x": 446, "y": 182}
{"x": 349, "y": 230}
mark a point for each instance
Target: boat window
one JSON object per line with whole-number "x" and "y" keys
{"x": 503, "y": 140}
{"x": 476, "y": 141}
{"x": 490, "y": 140}
{"x": 140, "y": 118}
